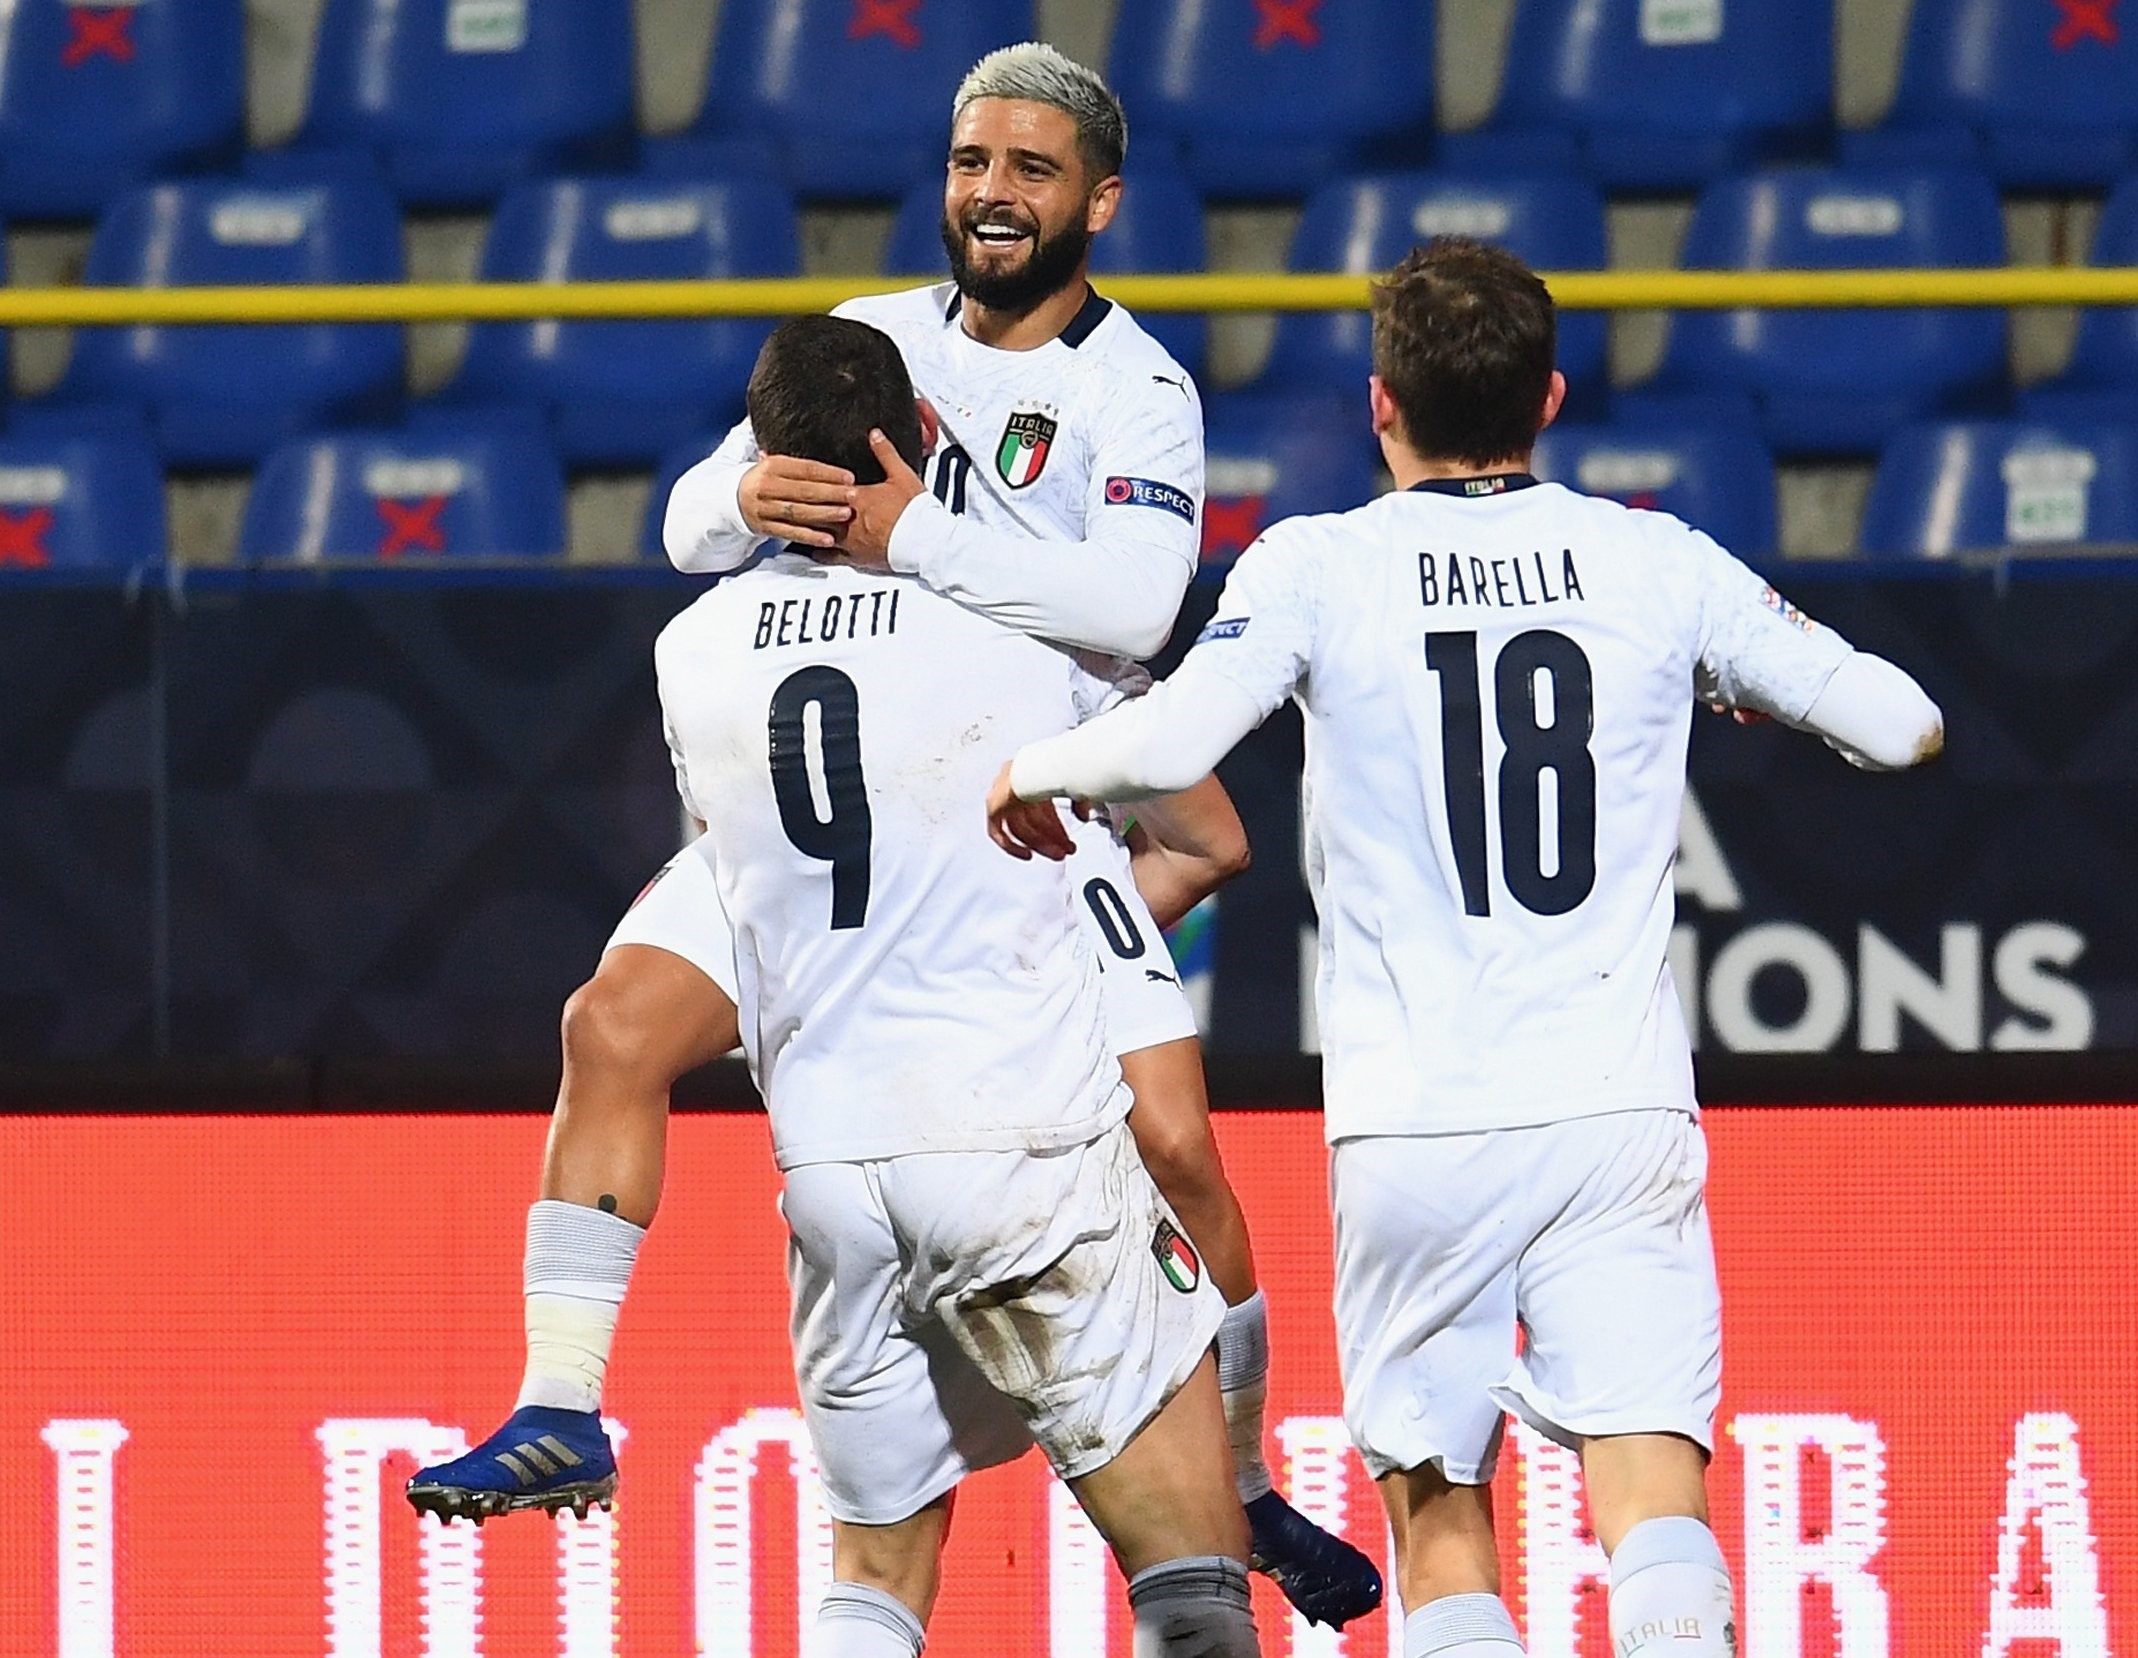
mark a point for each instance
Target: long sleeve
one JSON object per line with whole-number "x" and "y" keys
{"x": 703, "y": 528}
{"x": 1160, "y": 743}
{"x": 1876, "y": 716}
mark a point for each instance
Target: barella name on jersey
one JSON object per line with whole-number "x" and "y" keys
{"x": 831, "y": 620}
{"x": 1500, "y": 583}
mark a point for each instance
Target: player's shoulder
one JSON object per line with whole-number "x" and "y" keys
{"x": 905, "y": 312}
{"x": 1135, "y": 365}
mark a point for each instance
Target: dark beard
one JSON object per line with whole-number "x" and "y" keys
{"x": 1051, "y": 266}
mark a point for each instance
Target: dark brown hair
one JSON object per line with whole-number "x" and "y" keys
{"x": 820, "y": 383}
{"x": 1464, "y": 337}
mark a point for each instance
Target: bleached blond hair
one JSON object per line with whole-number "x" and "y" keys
{"x": 1037, "y": 73}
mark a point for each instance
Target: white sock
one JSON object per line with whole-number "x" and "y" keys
{"x": 1243, "y": 1382}
{"x": 856, "y": 1620}
{"x": 1461, "y": 1626}
{"x": 577, "y": 1269}
{"x": 1195, "y": 1607}
{"x": 1670, "y": 1592}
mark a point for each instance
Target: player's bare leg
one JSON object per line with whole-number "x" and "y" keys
{"x": 884, "y": 1585}
{"x": 1175, "y": 1526}
{"x": 1669, "y": 1583}
{"x": 644, "y": 1019}
{"x": 1325, "y": 1577}
{"x": 1447, "y": 1567}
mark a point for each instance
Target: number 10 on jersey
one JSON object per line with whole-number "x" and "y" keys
{"x": 1532, "y": 749}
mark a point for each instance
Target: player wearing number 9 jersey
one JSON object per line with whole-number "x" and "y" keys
{"x": 978, "y": 1258}
{"x": 1498, "y": 678}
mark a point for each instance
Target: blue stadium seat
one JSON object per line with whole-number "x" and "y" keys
{"x": 97, "y": 98}
{"x": 431, "y": 490}
{"x": 1271, "y": 97}
{"x": 1658, "y": 94}
{"x": 679, "y": 459}
{"x": 1840, "y": 381}
{"x": 1270, "y": 457}
{"x": 1718, "y": 476}
{"x": 622, "y": 392}
{"x": 1969, "y": 486}
{"x": 857, "y": 92}
{"x": 460, "y": 99}
{"x": 2043, "y": 94}
{"x": 2102, "y": 378}
{"x": 1159, "y": 228}
{"x": 223, "y": 394}
{"x": 80, "y": 503}
{"x": 1368, "y": 223}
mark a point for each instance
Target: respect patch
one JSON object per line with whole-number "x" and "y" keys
{"x": 1148, "y": 492}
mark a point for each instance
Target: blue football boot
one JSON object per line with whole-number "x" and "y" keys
{"x": 541, "y": 1458}
{"x": 1327, "y": 1579}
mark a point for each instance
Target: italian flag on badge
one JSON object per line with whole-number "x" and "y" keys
{"x": 1022, "y": 454}
{"x": 1176, "y": 1258}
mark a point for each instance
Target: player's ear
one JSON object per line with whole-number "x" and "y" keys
{"x": 1381, "y": 405}
{"x": 1554, "y": 399}
{"x": 931, "y": 424}
{"x": 1105, "y": 202}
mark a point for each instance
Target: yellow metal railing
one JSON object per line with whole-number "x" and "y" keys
{"x": 2009, "y": 285}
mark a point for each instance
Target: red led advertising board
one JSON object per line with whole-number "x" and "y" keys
{"x": 229, "y": 1340}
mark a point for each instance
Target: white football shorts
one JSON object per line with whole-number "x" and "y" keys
{"x": 952, "y": 1308}
{"x": 1589, "y": 1235}
{"x": 679, "y": 911}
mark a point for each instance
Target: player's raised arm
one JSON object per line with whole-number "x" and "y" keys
{"x": 1759, "y": 652}
{"x": 1250, "y": 658}
{"x": 1119, "y": 589}
{"x": 735, "y": 500}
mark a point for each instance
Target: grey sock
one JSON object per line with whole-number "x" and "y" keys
{"x": 1194, "y": 1607}
{"x": 858, "y": 1620}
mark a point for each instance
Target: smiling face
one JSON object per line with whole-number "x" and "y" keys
{"x": 1019, "y": 205}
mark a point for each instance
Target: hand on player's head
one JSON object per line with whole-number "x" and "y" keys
{"x": 796, "y": 500}
{"x": 1023, "y": 827}
{"x": 866, "y": 539}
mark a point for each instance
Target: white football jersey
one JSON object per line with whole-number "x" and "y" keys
{"x": 904, "y": 987}
{"x": 1498, "y": 680}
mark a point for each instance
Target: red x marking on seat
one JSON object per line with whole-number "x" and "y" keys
{"x": 1286, "y": 20}
{"x": 886, "y": 17}
{"x": 412, "y": 524}
{"x": 97, "y": 30}
{"x": 2084, "y": 20}
{"x": 22, "y": 536}
{"x": 1230, "y": 526}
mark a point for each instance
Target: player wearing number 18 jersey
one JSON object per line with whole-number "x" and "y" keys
{"x": 1498, "y": 678}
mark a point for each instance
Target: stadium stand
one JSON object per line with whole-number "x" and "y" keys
{"x": 1966, "y": 486}
{"x": 1270, "y": 99}
{"x": 1840, "y": 381}
{"x": 435, "y": 489}
{"x": 459, "y": 99}
{"x": 80, "y": 503}
{"x": 95, "y": 99}
{"x": 2045, "y": 96}
{"x": 1642, "y": 95}
{"x": 2101, "y": 380}
{"x": 1269, "y": 457}
{"x": 853, "y": 92}
{"x": 618, "y": 393}
{"x": 223, "y": 394}
{"x": 1367, "y": 223}
{"x": 1716, "y": 475}
{"x": 1158, "y": 227}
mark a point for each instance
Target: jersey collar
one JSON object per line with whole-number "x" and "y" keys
{"x": 1088, "y": 317}
{"x": 1492, "y": 483}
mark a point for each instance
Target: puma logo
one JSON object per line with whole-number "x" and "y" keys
{"x": 1180, "y": 385}
{"x": 1161, "y": 978}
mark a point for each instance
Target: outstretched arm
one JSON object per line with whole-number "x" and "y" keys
{"x": 1876, "y": 716}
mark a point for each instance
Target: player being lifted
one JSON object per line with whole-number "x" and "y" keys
{"x": 1066, "y": 481}
{"x": 1498, "y": 677}
{"x": 976, "y": 1254}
